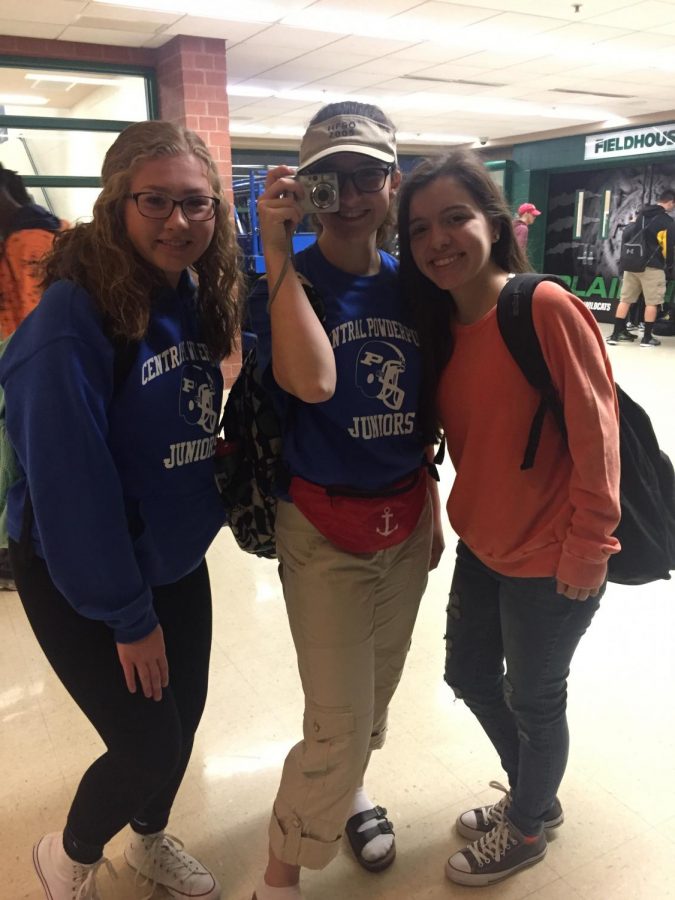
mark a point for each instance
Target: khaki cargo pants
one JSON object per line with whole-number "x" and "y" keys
{"x": 351, "y": 618}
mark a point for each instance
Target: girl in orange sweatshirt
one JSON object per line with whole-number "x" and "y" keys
{"x": 532, "y": 556}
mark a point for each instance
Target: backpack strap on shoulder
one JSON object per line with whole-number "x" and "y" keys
{"x": 514, "y": 318}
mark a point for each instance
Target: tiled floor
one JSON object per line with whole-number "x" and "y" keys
{"x": 618, "y": 840}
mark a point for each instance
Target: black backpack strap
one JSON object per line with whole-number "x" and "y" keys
{"x": 514, "y": 317}
{"x": 125, "y": 351}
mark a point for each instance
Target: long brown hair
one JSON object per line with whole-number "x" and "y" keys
{"x": 99, "y": 256}
{"x": 431, "y": 308}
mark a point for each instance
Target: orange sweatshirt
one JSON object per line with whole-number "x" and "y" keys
{"x": 31, "y": 238}
{"x": 557, "y": 518}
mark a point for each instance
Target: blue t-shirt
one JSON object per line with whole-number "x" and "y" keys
{"x": 121, "y": 481}
{"x": 366, "y": 436}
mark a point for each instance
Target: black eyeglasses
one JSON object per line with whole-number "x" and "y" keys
{"x": 367, "y": 180}
{"x": 154, "y": 205}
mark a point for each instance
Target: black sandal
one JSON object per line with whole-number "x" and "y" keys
{"x": 359, "y": 839}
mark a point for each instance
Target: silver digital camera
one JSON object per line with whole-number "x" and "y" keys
{"x": 322, "y": 192}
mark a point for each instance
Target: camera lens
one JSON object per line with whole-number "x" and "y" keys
{"x": 323, "y": 195}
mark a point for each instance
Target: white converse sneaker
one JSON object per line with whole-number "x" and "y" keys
{"x": 160, "y": 859}
{"x": 62, "y": 877}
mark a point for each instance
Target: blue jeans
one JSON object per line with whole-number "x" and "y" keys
{"x": 494, "y": 619}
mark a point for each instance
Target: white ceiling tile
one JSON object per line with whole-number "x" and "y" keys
{"x": 367, "y": 46}
{"x": 635, "y": 15}
{"x": 330, "y": 62}
{"x": 261, "y": 57}
{"x": 56, "y": 12}
{"x": 352, "y": 80}
{"x": 37, "y": 29}
{"x": 520, "y": 25}
{"x": 665, "y": 29}
{"x": 443, "y": 16}
{"x": 426, "y": 52}
{"x": 444, "y": 89}
{"x": 386, "y": 66}
{"x": 133, "y": 26}
{"x": 233, "y": 32}
{"x": 297, "y": 72}
{"x": 298, "y": 38}
{"x": 505, "y": 58}
{"x": 128, "y": 14}
{"x": 529, "y": 46}
{"x": 538, "y": 67}
{"x": 553, "y": 9}
{"x": 374, "y": 7}
{"x": 104, "y": 36}
{"x": 647, "y": 42}
{"x": 583, "y": 33}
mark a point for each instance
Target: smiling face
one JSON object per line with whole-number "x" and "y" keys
{"x": 172, "y": 244}
{"x": 360, "y": 214}
{"x": 451, "y": 238}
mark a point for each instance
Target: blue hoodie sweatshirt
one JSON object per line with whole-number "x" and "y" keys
{"x": 121, "y": 481}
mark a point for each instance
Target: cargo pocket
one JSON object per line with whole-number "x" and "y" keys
{"x": 329, "y": 739}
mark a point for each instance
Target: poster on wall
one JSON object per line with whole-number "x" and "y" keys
{"x": 587, "y": 212}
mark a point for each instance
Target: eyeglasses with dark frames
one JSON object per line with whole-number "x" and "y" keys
{"x": 366, "y": 180}
{"x": 155, "y": 205}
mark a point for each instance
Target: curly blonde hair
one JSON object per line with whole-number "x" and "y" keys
{"x": 99, "y": 256}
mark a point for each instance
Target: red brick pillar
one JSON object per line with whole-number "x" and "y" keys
{"x": 192, "y": 84}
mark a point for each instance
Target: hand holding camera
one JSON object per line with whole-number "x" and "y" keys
{"x": 279, "y": 212}
{"x": 321, "y": 192}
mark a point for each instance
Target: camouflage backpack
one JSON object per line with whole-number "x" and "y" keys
{"x": 249, "y": 467}
{"x": 250, "y": 471}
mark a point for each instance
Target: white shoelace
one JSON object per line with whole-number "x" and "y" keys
{"x": 493, "y": 845}
{"x": 165, "y": 853}
{"x": 496, "y": 811}
{"x": 87, "y": 889}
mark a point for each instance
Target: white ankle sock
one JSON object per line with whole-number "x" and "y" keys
{"x": 381, "y": 844}
{"x": 265, "y": 891}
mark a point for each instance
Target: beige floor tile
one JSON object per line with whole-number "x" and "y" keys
{"x": 557, "y": 890}
{"x": 618, "y": 793}
{"x": 640, "y": 869}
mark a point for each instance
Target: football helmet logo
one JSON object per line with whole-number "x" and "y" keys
{"x": 378, "y": 367}
{"x": 197, "y": 393}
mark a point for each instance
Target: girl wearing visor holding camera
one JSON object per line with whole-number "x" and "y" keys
{"x": 361, "y": 526}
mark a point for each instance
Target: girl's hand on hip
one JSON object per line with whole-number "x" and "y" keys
{"x": 575, "y": 593}
{"x": 146, "y": 660}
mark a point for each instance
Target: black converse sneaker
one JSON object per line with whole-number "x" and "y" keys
{"x": 498, "y": 854}
{"x": 474, "y": 823}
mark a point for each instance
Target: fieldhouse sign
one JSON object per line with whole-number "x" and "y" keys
{"x": 632, "y": 142}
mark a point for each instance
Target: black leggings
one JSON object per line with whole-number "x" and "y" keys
{"x": 148, "y": 743}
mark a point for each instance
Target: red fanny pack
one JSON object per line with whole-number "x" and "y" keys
{"x": 361, "y": 522}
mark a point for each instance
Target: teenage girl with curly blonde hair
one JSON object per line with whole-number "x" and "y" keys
{"x": 113, "y": 389}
